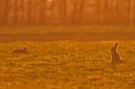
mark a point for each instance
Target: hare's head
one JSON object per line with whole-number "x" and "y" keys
{"x": 25, "y": 48}
{"x": 114, "y": 48}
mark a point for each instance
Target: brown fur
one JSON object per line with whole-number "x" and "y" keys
{"x": 24, "y": 50}
{"x": 115, "y": 55}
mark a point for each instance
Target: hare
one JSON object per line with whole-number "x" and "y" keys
{"x": 115, "y": 55}
{"x": 24, "y": 50}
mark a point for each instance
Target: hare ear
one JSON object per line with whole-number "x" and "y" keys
{"x": 25, "y": 48}
{"x": 116, "y": 44}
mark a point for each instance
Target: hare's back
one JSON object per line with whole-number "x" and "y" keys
{"x": 19, "y": 51}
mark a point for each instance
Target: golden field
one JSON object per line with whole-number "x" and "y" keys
{"x": 68, "y": 59}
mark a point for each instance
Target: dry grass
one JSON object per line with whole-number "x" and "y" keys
{"x": 66, "y": 65}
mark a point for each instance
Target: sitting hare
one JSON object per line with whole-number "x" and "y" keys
{"x": 24, "y": 50}
{"x": 115, "y": 55}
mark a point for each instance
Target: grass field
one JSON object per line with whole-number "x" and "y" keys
{"x": 79, "y": 33}
{"x": 75, "y": 62}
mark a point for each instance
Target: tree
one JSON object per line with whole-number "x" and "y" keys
{"x": 6, "y": 8}
{"x": 2, "y": 9}
{"x": 132, "y": 12}
{"x": 42, "y": 10}
{"x": 78, "y": 10}
{"x": 63, "y": 11}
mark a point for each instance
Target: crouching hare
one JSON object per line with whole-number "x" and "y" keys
{"x": 24, "y": 50}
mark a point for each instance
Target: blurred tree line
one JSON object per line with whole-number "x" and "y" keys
{"x": 30, "y": 12}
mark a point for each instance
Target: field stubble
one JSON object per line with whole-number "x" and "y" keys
{"x": 66, "y": 65}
